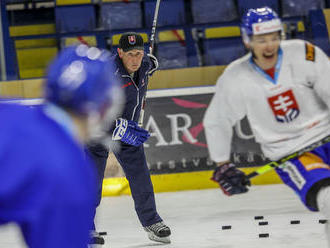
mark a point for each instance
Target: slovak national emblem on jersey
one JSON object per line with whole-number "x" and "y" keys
{"x": 284, "y": 106}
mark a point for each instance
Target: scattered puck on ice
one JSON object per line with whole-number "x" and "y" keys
{"x": 294, "y": 222}
{"x": 226, "y": 227}
{"x": 263, "y": 235}
{"x": 103, "y": 233}
{"x": 263, "y": 223}
{"x": 258, "y": 217}
{"x": 322, "y": 221}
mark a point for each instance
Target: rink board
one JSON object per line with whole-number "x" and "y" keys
{"x": 192, "y": 176}
{"x": 177, "y": 180}
{"x": 162, "y": 79}
{"x": 181, "y": 181}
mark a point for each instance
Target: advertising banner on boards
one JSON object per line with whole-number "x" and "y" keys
{"x": 177, "y": 142}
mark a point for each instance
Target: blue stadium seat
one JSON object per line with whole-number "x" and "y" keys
{"x": 121, "y": 15}
{"x": 176, "y": 48}
{"x": 291, "y": 8}
{"x": 171, "y": 55}
{"x": 222, "y": 51}
{"x": 295, "y": 29}
{"x": 221, "y": 45}
{"x": 15, "y": 1}
{"x": 210, "y": 11}
{"x": 244, "y": 5}
{"x": 171, "y": 12}
{"x": 75, "y": 18}
{"x": 319, "y": 29}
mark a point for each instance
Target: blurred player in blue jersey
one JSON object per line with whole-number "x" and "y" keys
{"x": 282, "y": 87}
{"x": 47, "y": 185}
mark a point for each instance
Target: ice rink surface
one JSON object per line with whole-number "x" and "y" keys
{"x": 196, "y": 219}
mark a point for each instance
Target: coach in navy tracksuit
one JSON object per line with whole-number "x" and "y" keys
{"x": 133, "y": 70}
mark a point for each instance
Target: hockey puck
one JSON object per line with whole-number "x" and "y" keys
{"x": 263, "y": 223}
{"x": 226, "y": 227}
{"x": 258, "y": 217}
{"x": 322, "y": 221}
{"x": 263, "y": 235}
{"x": 103, "y": 233}
{"x": 294, "y": 222}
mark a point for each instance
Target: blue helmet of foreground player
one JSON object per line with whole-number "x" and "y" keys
{"x": 81, "y": 79}
{"x": 260, "y": 21}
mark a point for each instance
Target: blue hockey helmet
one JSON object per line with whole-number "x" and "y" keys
{"x": 81, "y": 79}
{"x": 260, "y": 21}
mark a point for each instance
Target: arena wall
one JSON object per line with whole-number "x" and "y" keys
{"x": 177, "y": 164}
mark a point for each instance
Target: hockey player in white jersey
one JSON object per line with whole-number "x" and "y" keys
{"x": 283, "y": 88}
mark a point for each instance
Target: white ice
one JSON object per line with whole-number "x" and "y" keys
{"x": 196, "y": 219}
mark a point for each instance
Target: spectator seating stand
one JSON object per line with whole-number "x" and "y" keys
{"x": 320, "y": 26}
{"x": 94, "y": 22}
{"x": 213, "y": 11}
{"x": 294, "y": 8}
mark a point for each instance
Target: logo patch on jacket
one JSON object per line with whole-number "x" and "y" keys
{"x": 131, "y": 39}
{"x": 284, "y": 106}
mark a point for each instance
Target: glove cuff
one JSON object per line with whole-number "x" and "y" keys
{"x": 121, "y": 127}
{"x": 225, "y": 167}
{"x": 154, "y": 62}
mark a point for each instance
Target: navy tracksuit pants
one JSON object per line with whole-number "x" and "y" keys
{"x": 133, "y": 161}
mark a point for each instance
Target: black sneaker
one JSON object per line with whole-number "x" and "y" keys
{"x": 159, "y": 232}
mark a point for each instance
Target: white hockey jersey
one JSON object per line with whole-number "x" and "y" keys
{"x": 284, "y": 116}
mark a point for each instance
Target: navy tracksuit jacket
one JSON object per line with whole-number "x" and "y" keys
{"x": 131, "y": 158}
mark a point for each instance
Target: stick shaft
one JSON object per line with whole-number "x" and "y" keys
{"x": 151, "y": 49}
{"x": 270, "y": 166}
{"x": 153, "y": 29}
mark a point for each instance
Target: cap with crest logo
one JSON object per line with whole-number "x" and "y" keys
{"x": 130, "y": 41}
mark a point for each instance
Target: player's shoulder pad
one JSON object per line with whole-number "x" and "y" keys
{"x": 309, "y": 52}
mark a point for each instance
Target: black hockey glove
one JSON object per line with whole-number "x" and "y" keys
{"x": 231, "y": 180}
{"x": 154, "y": 62}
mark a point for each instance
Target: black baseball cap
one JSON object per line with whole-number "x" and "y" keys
{"x": 131, "y": 40}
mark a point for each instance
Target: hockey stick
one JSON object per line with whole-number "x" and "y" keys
{"x": 151, "y": 49}
{"x": 274, "y": 164}
{"x": 153, "y": 29}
